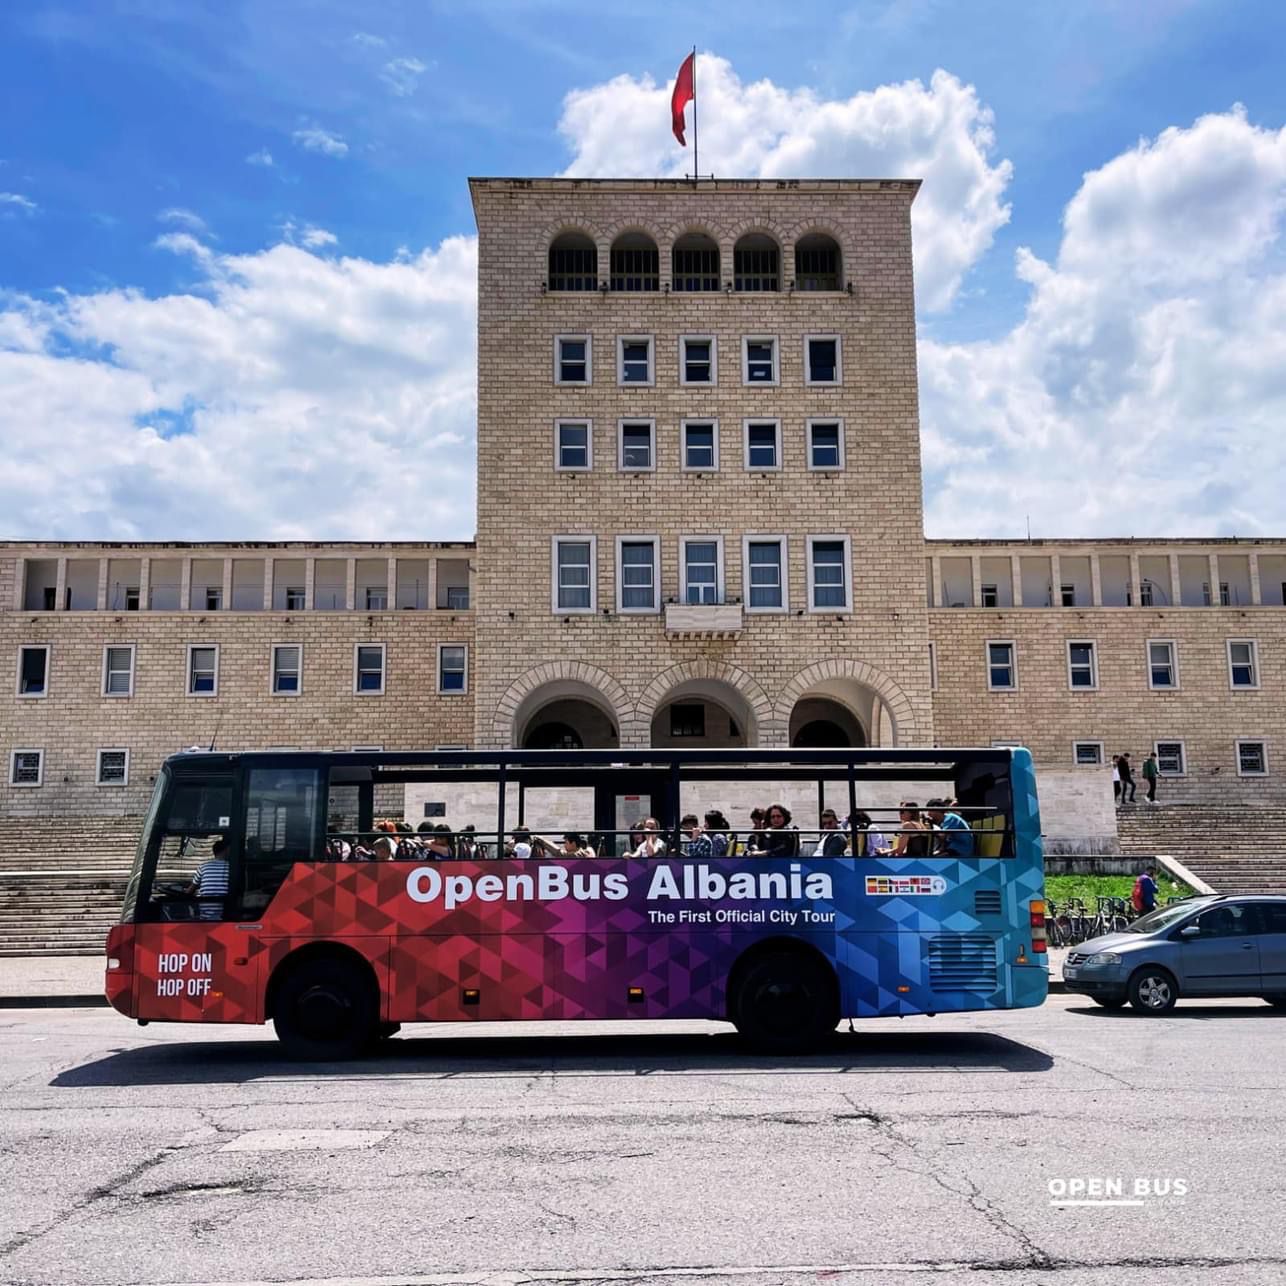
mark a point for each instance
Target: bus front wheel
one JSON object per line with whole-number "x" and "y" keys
{"x": 326, "y": 1009}
{"x": 786, "y": 1002}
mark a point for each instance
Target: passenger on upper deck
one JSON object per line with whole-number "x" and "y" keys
{"x": 717, "y": 828}
{"x": 832, "y": 842}
{"x": 695, "y": 842}
{"x": 574, "y": 846}
{"x": 652, "y": 845}
{"x": 385, "y": 849}
{"x": 439, "y": 845}
{"x": 954, "y": 838}
{"x": 783, "y": 838}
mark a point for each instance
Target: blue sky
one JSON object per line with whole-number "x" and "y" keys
{"x": 149, "y": 144}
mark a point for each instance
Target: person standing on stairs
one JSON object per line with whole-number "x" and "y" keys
{"x": 1150, "y": 775}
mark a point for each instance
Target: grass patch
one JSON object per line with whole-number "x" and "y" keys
{"x": 1060, "y": 888}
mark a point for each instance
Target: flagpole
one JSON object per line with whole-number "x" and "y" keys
{"x": 696, "y": 144}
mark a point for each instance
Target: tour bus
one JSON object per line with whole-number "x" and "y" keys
{"x": 287, "y": 925}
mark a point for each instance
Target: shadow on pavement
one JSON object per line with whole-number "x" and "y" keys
{"x": 191, "y": 1062}
{"x": 1203, "y": 1013}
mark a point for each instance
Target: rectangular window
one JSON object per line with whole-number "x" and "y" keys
{"x": 1068, "y": 595}
{"x": 368, "y": 669}
{"x": 701, "y": 571}
{"x": 452, "y": 667}
{"x": 457, "y": 598}
{"x": 821, "y": 359}
{"x": 118, "y": 671}
{"x": 203, "y": 670}
{"x": 1162, "y": 671}
{"x": 933, "y": 667}
{"x": 1225, "y": 599}
{"x": 634, "y": 360}
{"x": 1252, "y": 759}
{"x": 825, "y": 444}
{"x": 213, "y": 598}
{"x": 636, "y": 576}
{"x": 572, "y": 363}
{"x": 295, "y": 596}
{"x": 1002, "y": 673}
{"x": 33, "y": 670}
{"x": 1170, "y": 758}
{"x": 572, "y": 445}
{"x": 763, "y": 444}
{"x": 700, "y": 445}
{"x": 1243, "y": 667}
{"x": 698, "y": 360}
{"x": 1145, "y": 593}
{"x": 376, "y": 598}
{"x": 637, "y": 451}
{"x": 113, "y": 768}
{"x": 287, "y": 668}
{"x": 828, "y": 580}
{"x": 759, "y": 360}
{"x": 573, "y": 574}
{"x": 27, "y": 768}
{"x": 990, "y": 596}
{"x": 1087, "y": 754}
{"x": 687, "y": 719}
{"x": 1082, "y": 669}
{"x": 766, "y": 582}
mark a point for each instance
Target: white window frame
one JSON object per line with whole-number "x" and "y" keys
{"x": 809, "y": 382}
{"x": 573, "y": 422}
{"x": 817, "y": 422}
{"x": 1092, "y": 686}
{"x": 641, "y": 538}
{"x": 13, "y": 768}
{"x": 1174, "y": 664}
{"x": 1012, "y": 645}
{"x": 453, "y": 692}
{"x": 620, "y": 444}
{"x": 98, "y": 766}
{"x": 588, "y": 341}
{"x": 696, "y": 539}
{"x": 573, "y": 538}
{"x": 108, "y": 648}
{"x": 1262, "y": 743}
{"x": 746, "y": 341}
{"x": 933, "y": 667}
{"x": 1076, "y": 763}
{"x": 1253, "y": 644}
{"x": 844, "y": 541}
{"x": 17, "y": 683}
{"x": 1183, "y": 757}
{"x": 371, "y": 692}
{"x": 713, "y": 381}
{"x": 745, "y": 444}
{"x": 272, "y": 670}
{"x": 187, "y": 674}
{"x": 650, "y": 341}
{"x": 766, "y": 538}
{"x": 991, "y": 592}
{"x": 683, "y": 444}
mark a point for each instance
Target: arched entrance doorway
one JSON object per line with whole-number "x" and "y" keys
{"x": 703, "y": 714}
{"x": 566, "y": 715}
{"x": 826, "y": 722}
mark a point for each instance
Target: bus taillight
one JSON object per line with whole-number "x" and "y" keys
{"x": 120, "y": 948}
{"x": 1038, "y": 941}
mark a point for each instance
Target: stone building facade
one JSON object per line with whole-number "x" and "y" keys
{"x": 699, "y": 523}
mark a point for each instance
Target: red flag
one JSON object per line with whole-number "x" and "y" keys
{"x": 683, "y": 94}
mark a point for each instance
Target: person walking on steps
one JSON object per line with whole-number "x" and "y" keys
{"x": 1150, "y": 775}
{"x": 1128, "y": 784}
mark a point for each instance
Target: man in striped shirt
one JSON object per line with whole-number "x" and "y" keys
{"x": 210, "y": 884}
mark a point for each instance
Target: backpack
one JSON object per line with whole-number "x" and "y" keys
{"x": 1136, "y": 895}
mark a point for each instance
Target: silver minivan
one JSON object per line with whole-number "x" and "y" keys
{"x": 1206, "y": 946}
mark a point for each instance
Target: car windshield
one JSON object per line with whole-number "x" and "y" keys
{"x": 1164, "y": 916}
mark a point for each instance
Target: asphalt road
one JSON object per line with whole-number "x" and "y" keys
{"x": 913, "y": 1150}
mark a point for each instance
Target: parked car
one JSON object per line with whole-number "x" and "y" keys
{"x": 1206, "y": 946}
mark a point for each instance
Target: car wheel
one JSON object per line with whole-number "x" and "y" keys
{"x": 1153, "y": 990}
{"x": 1109, "y": 1002}
{"x": 326, "y": 1009}
{"x": 787, "y": 1002}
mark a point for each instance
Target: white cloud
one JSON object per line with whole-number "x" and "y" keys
{"x": 941, "y": 133}
{"x": 262, "y": 157}
{"x": 367, "y": 41}
{"x": 307, "y": 234}
{"x": 316, "y": 397}
{"x": 188, "y": 219}
{"x": 402, "y": 75}
{"x": 16, "y": 201}
{"x": 1144, "y": 390}
{"x": 314, "y": 139}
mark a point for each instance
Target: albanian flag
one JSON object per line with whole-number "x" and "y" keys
{"x": 684, "y": 92}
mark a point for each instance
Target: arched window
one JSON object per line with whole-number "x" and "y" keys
{"x": 756, "y": 263}
{"x": 636, "y": 263}
{"x": 817, "y": 263}
{"x": 695, "y": 263}
{"x": 573, "y": 262}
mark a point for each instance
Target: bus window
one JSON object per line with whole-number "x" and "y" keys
{"x": 192, "y": 816}
{"x": 281, "y": 828}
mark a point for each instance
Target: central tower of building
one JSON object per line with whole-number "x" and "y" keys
{"x": 699, "y": 500}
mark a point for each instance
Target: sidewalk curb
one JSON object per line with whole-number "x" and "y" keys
{"x": 94, "y": 1000}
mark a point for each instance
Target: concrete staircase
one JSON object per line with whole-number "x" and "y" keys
{"x": 62, "y": 883}
{"x": 1234, "y": 848}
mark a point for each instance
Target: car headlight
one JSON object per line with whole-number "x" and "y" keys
{"x": 1102, "y": 959}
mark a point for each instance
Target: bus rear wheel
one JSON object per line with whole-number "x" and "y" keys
{"x": 326, "y": 1009}
{"x": 786, "y": 1002}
